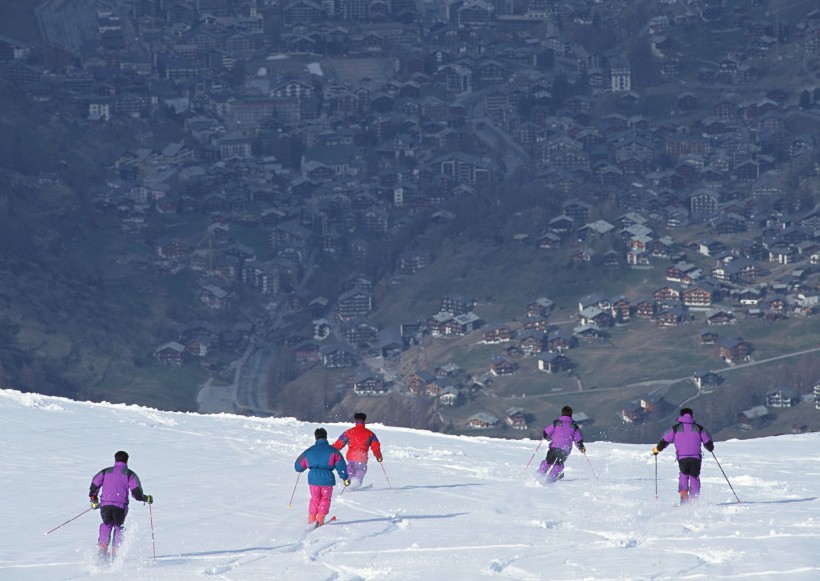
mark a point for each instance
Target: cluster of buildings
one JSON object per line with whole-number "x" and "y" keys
{"x": 335, "y": 127}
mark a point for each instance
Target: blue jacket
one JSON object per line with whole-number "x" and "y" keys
{"x": 322, "y": 458}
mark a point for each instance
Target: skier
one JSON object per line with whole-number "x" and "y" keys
{"x": 115, "y": 481}
{"x": 321, "y": 459}
{"x": 359, "y": 440}
{"x": 687, "y": 437}
{"x": 561, "y": 434}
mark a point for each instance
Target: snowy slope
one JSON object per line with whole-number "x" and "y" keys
{"x": 459, "y": 508}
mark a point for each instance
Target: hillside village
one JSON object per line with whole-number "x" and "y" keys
{"x": 317, "y": 142}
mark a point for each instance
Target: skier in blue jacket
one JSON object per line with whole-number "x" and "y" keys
{"x": 321, "y": 459}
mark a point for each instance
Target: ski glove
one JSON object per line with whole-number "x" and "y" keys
{"x": 709, "y": 445}
{"x": 347, "y": 481}
{"x": 95, "y": 502}
{"x": 148, "y": 498}
{"x": 379, "y": 459}
{"x": 655, "y": 451}
{"x": 581, "y": 448}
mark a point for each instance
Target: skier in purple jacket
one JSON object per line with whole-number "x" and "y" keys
{"x": 561, "y": 434}
{"x": 116, "y": 482}
{"x": 687, "y": 437}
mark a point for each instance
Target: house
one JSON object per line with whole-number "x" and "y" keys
{"x": 781, "y": 398}
{"x": 516, "y": 418}
{"x": 449, "y": 396}
{"x": 707, "y": 381}
{"x": 420, "y": 381}
{"x": 501, "y": 365}
{"x": 335, "y": 356}
{"x": 652, "y": 403}
{"x": 482, "y": 421}
{"x": 367, "y": 383}
{"x": 734, "y": 349}
{"x": 753, "y": 418}
{"x": 720, "y": 318}
{"x": 170, "y": 353}
{"x": 553, "y": 362}
{"x": 632, "y": 413}
{"x": 497, "y": 334}
{"x": 708, "y": 337}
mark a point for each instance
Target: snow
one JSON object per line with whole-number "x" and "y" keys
{"x": 315, "y": 69}
{"x": 459, "y": 507}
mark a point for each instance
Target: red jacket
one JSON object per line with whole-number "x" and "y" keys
{"x": 359, "y": 439}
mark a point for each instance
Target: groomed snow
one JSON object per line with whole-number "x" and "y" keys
{"x": 460, "y": 508}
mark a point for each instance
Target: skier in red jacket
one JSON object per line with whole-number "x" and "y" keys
{"x": 359, "y": 440}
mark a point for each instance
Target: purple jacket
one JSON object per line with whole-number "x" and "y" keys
{"x": 687, "y": 437}
{"x": 115, "y": 482}
{"x": 562, "y": 433}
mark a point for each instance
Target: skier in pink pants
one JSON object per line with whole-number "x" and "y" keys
{"x": 321, "y": 459}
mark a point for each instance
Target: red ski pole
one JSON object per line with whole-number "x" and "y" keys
{"x": 534, "y": 453}
{"x": 385, "y": 476}
{"x": 68, "y": 521}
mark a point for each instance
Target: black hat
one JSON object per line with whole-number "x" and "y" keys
{"x": 121, "y": 457}
{"x": 360, "y": 416}
{"x": 687, "y": 412}
{"x": 566, "y": 411}
{"x": 320, "y": 434}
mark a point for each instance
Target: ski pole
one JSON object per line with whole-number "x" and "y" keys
{"x": 726, "y": 477}
{"x": 656, "y": 477}
{"x": 290, "y": 503}
{"x": 151, "y": 517}
{"x": 590, "y": 465}
{"x": 385, "y": 476}
{"x": 534, "y": 453}
{"x": 68, "y": 521}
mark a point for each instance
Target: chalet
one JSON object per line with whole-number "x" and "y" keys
{"x": 390, "y": 343}
{"x": 420, "y": 381}
{"x": 720, "y": 318}
{"x": 781, "y": 398}
{"x": 596, "y": 316}
{"x": 214, "y": 297}
{"x": 501, "y": 365}
{"x": 553, "y": 362}
{"x": 449, "y": 396}
{"x": 354, "y": 303}
{"x": 667, "y": 293}
{"x": 368, "y": 383}
{"x": 559, "y": 340}
{"x": 448, "y": 370}
{"x": 531, "y": 342}
{"x": 497, "y": 334}
{"x": 171, "y": 353}
{"x": 621, "y": 309}
{"x": 456, "y": 304}
{"x": 671, "y": 316}
{"x": 412, "y": 261}
{"x": 700, "y": 295}
{"x": 462, "y": 324}
{"x": 733, "y": 349}
{"x": 361, "y": 333}
{"x": 540, "y": 307}
{"x": 334, "y": 356}
{"x": 538, "y": 323}
{"x": 652, "y": 403}
{"x": 632, "y": 413}
{"x": 437, "y": 325}
{"x": 753, "y": 418}
{"x": 482, "y": 421}
{"x": 707, "y": 381}
{"x": 708, "y": 337}
{"x": 516, "y": 418}
{"x": 749, "y": 296}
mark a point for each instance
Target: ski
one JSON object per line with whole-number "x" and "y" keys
{"x": 316, "y": 526}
